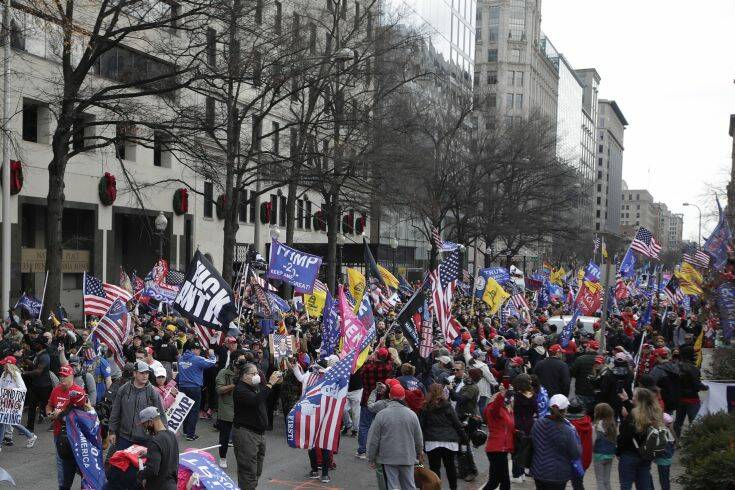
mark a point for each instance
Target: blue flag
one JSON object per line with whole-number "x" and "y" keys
{"x": 646, "y": 317}
{"x": 726, "y": 306}
{"x": 30, "y": 305}
{"x": 500, "y": 274}
{"x": 210, "y": 475}
{"x": 716, "y": 244}
{"x": 297, "y": 268}
{"x": 543, "y": 298}
{"x": 627, "y": 266}
{"x": 566, "y": 334}
{"x": 277, "y": 303}
{"x": 83, "y": 431}
{"x": 592, "y": 272}
{"x": 612, "y": 302}
{"x": 330, "y": 327}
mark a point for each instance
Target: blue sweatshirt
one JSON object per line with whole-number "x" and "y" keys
{"x": 191, "y": 369}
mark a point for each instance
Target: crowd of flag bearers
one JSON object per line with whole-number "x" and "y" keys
{"x": 424, "y": 376}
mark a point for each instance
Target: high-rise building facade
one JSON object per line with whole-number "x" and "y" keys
{"x": 638, "y": 209}
{"x": 513, "y": 74}
{"x": 611, "y": 124}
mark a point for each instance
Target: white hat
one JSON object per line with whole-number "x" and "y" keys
{"x": 444, "y": 359}
{"x": 159, "y": 371}
{"x": 559, "y": 401}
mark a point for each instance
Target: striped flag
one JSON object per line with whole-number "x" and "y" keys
{"x": 316, "y": 419}
{"x": 99, "y": 296}
{"x": 696, "y": 258}
{"x": 443, "y": 282}
{"x": 673, "y": 291}
{"x": 645, "y": 243}
{"x": 427, "y": 331}
{"x": 518, "y": 299}
{"x": 208, "y": 337}
{"x": 437, "y": 238}
{"x": 114, "y": 329}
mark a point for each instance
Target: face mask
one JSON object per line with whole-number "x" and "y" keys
{"x": 255, "y": 379}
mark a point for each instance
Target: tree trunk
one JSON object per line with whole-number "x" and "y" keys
{"x": 55, "y": 210}
{"x": 231, "y": 224}
{"x": 293, "y": 188}
{"x": 332, "y": 230}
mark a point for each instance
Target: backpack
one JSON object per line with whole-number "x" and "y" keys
{"x": 654, "y": 444}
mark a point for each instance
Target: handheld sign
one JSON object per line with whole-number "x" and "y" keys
{"x": 178, "y": 411}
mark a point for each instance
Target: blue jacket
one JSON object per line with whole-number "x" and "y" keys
{"x": 555, "y": 446}
{"x": 191, "y": 370}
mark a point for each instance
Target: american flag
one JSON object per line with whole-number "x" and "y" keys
{"x": 518, "y": 299}
{"x": 645, "y": 243}
{"x": 99, "y": 296}
{"x": 437, "y": 238}
{"x": 696, "y": 257}
{"x": 673, "y": 291}
{"x": 125, "y": 281}
{"x": 596, "y": 244}
{"x": 315, "y": 421}
{"x": 427, "y": 331}
{"x": 621, "y": 291}
{"x": 208, "y": 337}
{"x": 443, "y": 282}
{"x": 175, "y": 278}
{"x": 114, "y": 329}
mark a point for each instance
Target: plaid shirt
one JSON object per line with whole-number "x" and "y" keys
{"x": 374, "y": 372}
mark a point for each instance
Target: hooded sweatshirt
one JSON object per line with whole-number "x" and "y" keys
{"x": 125, "y": 414}
{"x": 191, "y": 369}
{"x": 583, "y": 424}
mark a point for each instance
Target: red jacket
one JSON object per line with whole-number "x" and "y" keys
{"x": 500, "y": 426}
{"x": 584, "y": 429}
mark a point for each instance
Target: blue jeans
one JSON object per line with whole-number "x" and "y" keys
{"x": 190, "y": 422}
{"x": 66, "y": 469}
{"x": 17, "y": 427}
{"x": 664, "y": 476}
{"x": 366, "y": 420}
{"x": 633, "y": 469}
{"x": 481, "y": 404}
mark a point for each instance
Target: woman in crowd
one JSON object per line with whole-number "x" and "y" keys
{"x": 524, "y": 413}
{"x": 644, "y": 414}
{"x": 442, "y": 433}
{"x": 167, "y": 391}
{"x": 501, "y": 436}
{"x": 555, "y": 447}
{"x": 603, "y": 452}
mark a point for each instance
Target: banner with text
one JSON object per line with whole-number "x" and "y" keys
{"x": 178, "y": 411}
{"x": 299, "y": 269}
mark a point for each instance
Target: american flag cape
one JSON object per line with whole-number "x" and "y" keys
{"x": 645, "y": 243}
{"x": 99, "y": 296}
{"x": 316, "y": 419}
{"x": 115, "y": 329}
{"x": 443, "y": 282}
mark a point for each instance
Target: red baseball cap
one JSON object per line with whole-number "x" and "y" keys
{"x": 662, "y": 352}
{"x": 593, "y": 344}
{"x": 9, "y": 360}
{"x": 599, "y": 360}
{"x": 517, "y": 360}
{"x": 383, "y": 353}
{"x": 149, "y": 351}
{"x": 66, "y": 371}
{"x": 230, "y": 339}
{"x": 397, "y": 392}
{"x": 555, "y": 348}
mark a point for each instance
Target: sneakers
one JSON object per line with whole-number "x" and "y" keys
{"x": 223, "y": 463}
{"x": 326, "y": 479}
{"x": 353, "y": 433}
{"x": 345, "y": 430}
{"x": 516, "y": 480}
{"x": 32, "y": 441}
{"x": 8, "y": 442}
{"x": 205, "y": 415}
{"x": 360, "y": 455}
{"x": 314, "y": 475}
{"x": 192, "y": 438}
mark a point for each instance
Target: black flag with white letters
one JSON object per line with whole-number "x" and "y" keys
{"x": 205, "y": 298}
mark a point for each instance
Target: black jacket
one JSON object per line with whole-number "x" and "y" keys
{"x": 553, "y": 374}
{"x": 581, "y": 370}
{"x": 250, "y": 407}
{"x": 667, "y": 376}
{"x": 162, "y": 467}
{"x": 440, "y": 423}
{"x": 690, "y": 382}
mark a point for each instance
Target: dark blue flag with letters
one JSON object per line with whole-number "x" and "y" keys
{"x": 297, "y": 268}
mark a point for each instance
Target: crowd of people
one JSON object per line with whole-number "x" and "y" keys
{"x": 509, "y": 388}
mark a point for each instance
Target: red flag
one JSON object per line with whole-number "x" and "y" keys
{"x": 589, "y": 299}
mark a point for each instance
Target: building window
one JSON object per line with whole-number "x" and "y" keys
{"x": 492, "y": 101}
{"x": 519, "y": 79}
{"x": 597, "y": 226}
{"x": 494, "y": 14}
{"x": 258, "y": 12}
{"x": 508, "y": 101}
{"x": 519, "y": 101}
{"x": 599, "y": 162}
{"x": 30, "y": 122}
{"x": 492, "y": 77}
{"x": 208, "y": 199}
{"x": 300, "y": 213}
{"x": 312, "y": 37}
{"x": 509, "y": 121}
{"x": 308, "y": 215}
{"x": 282, "y": 210}
{"x": 598, "y": 199}
{"x": 600, "y": 149}
{"x": 278, "y": 20}
{"x": 492, "y": 55}
{"x": 82, "y": 133}
{"x": 637, "y": 197}
{"x": 124, "y": 147}
{"x": 243, "y": 207}
{"x": 597, "y": 213}
{"x": 599, "y": 187}
{"x": 211, "y": 46}
{"x": 638, "y": 206}
{"x": 209, "y": 113}
{"x": 478, "y": 34}
{"x": 276, "y": 138}
{"x": 514, "y": 56}
{"x": 253, "y": 206}
{"x": 493, "y": 34}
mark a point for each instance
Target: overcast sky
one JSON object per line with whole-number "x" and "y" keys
{"x": 670, "y": 65}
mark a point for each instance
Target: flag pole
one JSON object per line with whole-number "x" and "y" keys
{"x": 43, "y": 296}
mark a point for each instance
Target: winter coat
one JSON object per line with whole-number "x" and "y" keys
{"x": 555, "y": 446}
{"x": 666, "y": 376}
{"x": 690, "y": 382}
{"x": 553, "y": 374}
{"x": 500, "y": 426}
{"x": 125, "y": 414}
{"x": 580, "y": 371}
{"x": 583, "y": 425}
{"x": 524, "y": 410}
{"x": 395, "y": 436}
{"x": 225, "y": 405}
{"x": 440, "y": 423}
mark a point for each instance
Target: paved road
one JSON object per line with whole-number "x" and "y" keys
{"x": 285, "y": 468}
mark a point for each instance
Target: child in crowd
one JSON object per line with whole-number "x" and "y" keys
{"x": 603, "y": 452}
{"x": 664, "y": 462}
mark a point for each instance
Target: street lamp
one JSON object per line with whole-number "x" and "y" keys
{"x": 699, "y": 240}
{"x": 275, "y": 233}
{"x": 394, "y": 247}
{"x": 161, "y": 223}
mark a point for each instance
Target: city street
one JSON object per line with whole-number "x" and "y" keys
{"x": 284, "y": 468}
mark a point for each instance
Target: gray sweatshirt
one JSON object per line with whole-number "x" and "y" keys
{"x": 395, "y": 436}
{"x": 125, "y": 414}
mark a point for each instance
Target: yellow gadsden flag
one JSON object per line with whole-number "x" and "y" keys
{"x": 690, "y": 280}
{"x": 557, "y": 276}
{"x": 314, "y": 303}
{"x": 389, "y": 279}
{"x": 494, "y": 295}
{"x": 356, "y": 283}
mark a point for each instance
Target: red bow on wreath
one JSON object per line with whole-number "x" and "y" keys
{"x": 15, "y": 174}
{"x": 111, "y": 185}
